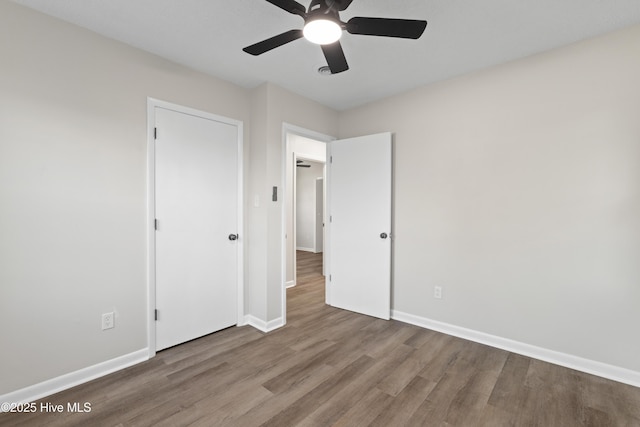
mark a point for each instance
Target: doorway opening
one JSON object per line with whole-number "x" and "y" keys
{"x": 309, "y": 213}
{"x": 304, "y": 207}
{"x": 358, "y": 233}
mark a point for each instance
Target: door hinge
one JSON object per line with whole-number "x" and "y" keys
{"x": 330, "y": 218}
{"x": 330, "y": 159}
{"x": 155, "y": 224}
{"x": 330, "y": 278}
{"x": 155, "y": 314}
{"x": 155, "y": 133}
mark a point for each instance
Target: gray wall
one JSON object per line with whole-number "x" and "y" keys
{"x": 73, "y": 190}
{"x": 517, "y": 189}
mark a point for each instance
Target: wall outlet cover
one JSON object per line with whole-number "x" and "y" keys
{"x": 108, "y": 320}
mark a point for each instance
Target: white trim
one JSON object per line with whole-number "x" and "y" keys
{"x": 326, "y": 264}
{"x": 72, "y": 379}
{"x": 290, "y": 284}
{"x": 263, "y": 326}
{"x": 593, "y": 367}
{"x": 294, "y": 211}
{"x": 151, "y": 235}
{"x": 152, "y": 104}
{"x": 288, "y": 128}
{"x": 240, "y": 225}
{"x": 300, "y": 131}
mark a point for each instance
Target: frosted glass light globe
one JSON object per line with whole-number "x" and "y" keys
{"x": 322, "y": 31}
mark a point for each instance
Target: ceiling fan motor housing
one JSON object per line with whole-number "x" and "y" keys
{"x": 323, "y": 9}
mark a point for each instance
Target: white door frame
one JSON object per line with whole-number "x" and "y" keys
{"x": 151, "y": 214}
{"x": 318, "y": 235}
{"x": 287, "y": 129}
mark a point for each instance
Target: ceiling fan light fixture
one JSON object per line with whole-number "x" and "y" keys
{"x": 322, "y": 31}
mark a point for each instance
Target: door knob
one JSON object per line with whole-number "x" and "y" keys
{"x": 233, "y": 237}
{"x": 383, "y": 235}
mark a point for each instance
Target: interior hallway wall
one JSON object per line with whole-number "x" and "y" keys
{"x": 306, "y": 205}
{"x": 282, "y": 107}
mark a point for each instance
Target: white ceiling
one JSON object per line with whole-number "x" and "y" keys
{"x": 461, "y": 36}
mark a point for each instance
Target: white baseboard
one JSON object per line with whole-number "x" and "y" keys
{"x": 263, "y": 326}
{"x": 72, "y": 379}
{"x": 290, "y": 284}
{"x": 600, "y": 369}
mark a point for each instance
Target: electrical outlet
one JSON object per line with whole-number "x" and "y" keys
{"x": 108, "y": 320}
{"x": 437, "y": 292}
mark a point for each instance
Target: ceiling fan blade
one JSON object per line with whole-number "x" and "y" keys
{"x": 403, "y": 28}
{"x": 334, "y": 55}
{"x": 290, "y": 6}
{"x": 342, "y": 4}
{"x": 274, "y": 42}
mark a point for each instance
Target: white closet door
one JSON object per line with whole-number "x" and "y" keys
{"x": 196, "y": 199}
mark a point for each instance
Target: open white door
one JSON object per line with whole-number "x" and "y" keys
{"x": 196, "y": 206}
{"x": 359, "y": 239}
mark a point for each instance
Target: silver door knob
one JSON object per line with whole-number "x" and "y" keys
{"x": 383, "y": 235}
{"x": 233, "y": 237}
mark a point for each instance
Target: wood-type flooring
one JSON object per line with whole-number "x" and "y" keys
{"x": 330, "y": 367}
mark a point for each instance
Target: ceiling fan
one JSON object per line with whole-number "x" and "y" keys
{"x": 300, "y": 164}
{"x": 322, "y": 25}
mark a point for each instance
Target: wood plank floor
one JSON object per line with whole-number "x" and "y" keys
{"x": 329, "y": 367}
